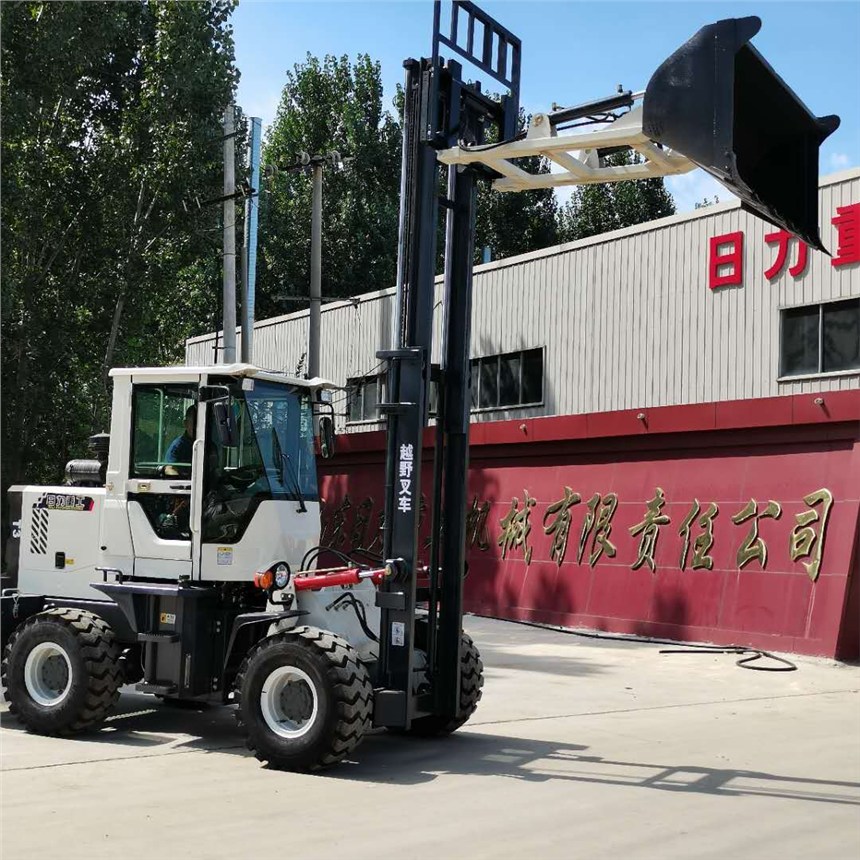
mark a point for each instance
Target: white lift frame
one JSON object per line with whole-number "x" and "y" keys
{"x": 576, "y": 155}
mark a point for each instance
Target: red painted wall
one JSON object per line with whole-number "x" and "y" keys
{"x": 775, "y": 450}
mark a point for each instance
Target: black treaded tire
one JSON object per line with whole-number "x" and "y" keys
{"x": 471, "y": 681}
{"x": 96, "y": 674}
{"x": 344, "y": 698}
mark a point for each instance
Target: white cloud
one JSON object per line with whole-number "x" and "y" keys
{"x": 263, "y": 105}
{"x": 840, "y": 160}
{"x": 563, "y": 193}
{"x": 691, "y": 188}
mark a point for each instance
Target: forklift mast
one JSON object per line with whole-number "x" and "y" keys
{"x": 714, "y": 103}
{"x": 441, "y": 110}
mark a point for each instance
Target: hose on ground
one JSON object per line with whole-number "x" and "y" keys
{"x": 753, "y": 654}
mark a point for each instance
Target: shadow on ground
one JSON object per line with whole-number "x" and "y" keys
{"x": 157, "y": 727}
{"x": 406, "y": 761}
{"x": 154, "y": 728}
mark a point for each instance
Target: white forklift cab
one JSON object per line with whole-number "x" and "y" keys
{"x": 210, "y": 476}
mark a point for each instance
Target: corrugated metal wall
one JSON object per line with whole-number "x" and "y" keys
{"x": 626, "y": 319}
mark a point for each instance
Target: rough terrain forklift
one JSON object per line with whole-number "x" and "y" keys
{"x": 184, "y": 556}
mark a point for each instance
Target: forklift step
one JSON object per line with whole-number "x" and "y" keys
{"x": 158, "y": 689}
{"x": 161, "y": 638}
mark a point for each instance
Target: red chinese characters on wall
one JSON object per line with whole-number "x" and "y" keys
{"x": 726, "y": 252}
{"x": 742, "y": 531}
{"x": 847, "y": 223}
{"x": 782, "y": 239}
{"x": 726, "y": 260}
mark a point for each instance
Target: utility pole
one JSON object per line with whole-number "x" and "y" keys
{"x": 228, "y": 354}
{"x": 316, "y": 272}
{"x": 315, "y": 164}
{"x": 249, "y": 248}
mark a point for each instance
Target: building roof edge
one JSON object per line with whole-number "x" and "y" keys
{"x": 658, "y": 224}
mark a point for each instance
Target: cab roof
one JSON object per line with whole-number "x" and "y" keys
{"x": 238, "y": 370}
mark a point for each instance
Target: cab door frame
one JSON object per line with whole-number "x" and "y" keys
{"x": 159, "y": 557}
{"x": 197, "y": 454}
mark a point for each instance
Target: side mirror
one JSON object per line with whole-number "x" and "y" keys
{"x": 225, "y": 424}
{"x": 326, "y": 425}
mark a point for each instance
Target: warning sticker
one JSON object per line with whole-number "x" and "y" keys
{"x": 398, "y": 633}
{"x": 225, "y": 555}
{"x": 167, "y": 618}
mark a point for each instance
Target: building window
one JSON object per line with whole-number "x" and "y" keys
{"x": 820, "y": 338}
{"x": 508, "y": 380}
{"x": 363, "y": 397}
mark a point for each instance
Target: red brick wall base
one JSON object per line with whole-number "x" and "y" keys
{"x": 694, "y": 523}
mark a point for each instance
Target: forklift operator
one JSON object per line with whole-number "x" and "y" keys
{"x": 181, "y": 447}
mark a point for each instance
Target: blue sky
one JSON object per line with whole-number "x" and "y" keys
{"x": 572, "y": 52}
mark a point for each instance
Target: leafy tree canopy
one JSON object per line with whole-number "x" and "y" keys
{"x": 515, "y": 223}
{"x": 594, "y": 209}
{"x": 329, "y": 105}
{"x": 111, "y": 128}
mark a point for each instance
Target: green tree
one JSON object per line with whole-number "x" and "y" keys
{"x": 335, "y": 104}
{"x": 511, "y": 223}
{"x": 111, "y": 128}
{"x": 164, "y": 153}
{"x": 514, "y": 223}
{"x": 330, "y": 105}
{"x": 594, "y": 209}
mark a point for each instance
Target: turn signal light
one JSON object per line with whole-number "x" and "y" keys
{"x": 264, "y": 579}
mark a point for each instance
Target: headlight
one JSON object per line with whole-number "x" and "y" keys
{"x": 282, "y": 575}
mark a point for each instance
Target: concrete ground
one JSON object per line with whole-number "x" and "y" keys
{"x": 579, "y": 748}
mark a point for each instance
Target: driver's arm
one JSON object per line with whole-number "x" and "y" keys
{"x": 174, "y": 458}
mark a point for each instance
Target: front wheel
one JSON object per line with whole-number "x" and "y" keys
{"x": 305, "y": 700}
{"x": 471, "y": 681}
{"x": 61, "y": 672}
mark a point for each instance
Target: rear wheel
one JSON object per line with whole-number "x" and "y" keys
{"x": 61, "y": 671}
{"x": 471, "y": 681}
{"x": 305, "y": 700}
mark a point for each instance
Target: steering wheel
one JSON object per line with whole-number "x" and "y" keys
{"x": 244, "y": 476}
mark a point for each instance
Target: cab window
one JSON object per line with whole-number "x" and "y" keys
{"x": 163, "y": 421}
{"x": 271, "y": 457}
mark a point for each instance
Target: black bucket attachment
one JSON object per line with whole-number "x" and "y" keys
{"x": 718, "y": 102}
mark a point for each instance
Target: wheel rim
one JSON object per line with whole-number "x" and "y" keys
{"x": 48, "y": 674}
{"x": 289, "y": 702}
